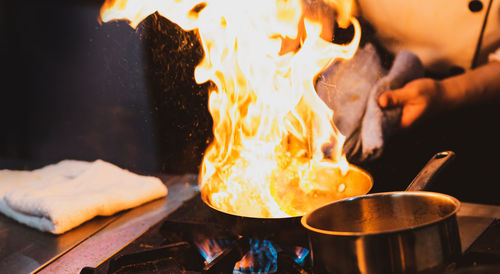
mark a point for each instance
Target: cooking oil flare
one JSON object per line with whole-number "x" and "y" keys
{"x": 271, "y": 130}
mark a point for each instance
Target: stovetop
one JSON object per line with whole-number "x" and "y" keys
{"x": 194, "y": 240}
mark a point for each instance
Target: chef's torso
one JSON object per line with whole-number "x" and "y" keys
{"x": 443, "y": 33}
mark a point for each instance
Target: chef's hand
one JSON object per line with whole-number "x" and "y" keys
{"x": 426, "y": 96}
{"x": 417, "y": 99}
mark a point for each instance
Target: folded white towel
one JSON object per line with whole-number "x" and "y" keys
{"x": 59, "y": 197}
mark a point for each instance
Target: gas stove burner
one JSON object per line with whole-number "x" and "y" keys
{"x": 242, "y": 256}
{"x": 225, "y": 252}
{"x": 201, "y": 254}
{"x": 190, "y": 240}
{"x": 248, "y": 255}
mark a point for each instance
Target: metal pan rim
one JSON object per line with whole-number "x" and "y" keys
{"x": 455, "y": 201}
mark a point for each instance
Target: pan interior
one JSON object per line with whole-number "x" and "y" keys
{"x": 326, "y": 185}
{"x": 381, "y": 212}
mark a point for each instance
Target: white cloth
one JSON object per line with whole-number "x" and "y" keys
{"x": 59, "y": 197}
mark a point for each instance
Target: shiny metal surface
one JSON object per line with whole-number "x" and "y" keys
{"x": 410, "y": 251}
{"x": 381, "y": 213}
{"x": 26, "y": 250}
{"x": 395, "y": 232}
{"x": 431, "y": 169}
{"x": 392, "y": 232}
{"x": 473, "y": 219}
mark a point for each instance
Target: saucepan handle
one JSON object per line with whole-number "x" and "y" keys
{"x": 430, "y": 170}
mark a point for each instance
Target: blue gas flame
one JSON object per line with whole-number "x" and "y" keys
{"x": 211, "y": 248}
{"x": 301, "y": 255}
{"x": 261, "y": 258}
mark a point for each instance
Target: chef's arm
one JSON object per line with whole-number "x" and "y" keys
{"x": 426, "y": 96}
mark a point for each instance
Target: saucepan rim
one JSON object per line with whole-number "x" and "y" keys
{"x": 453, "y": 200}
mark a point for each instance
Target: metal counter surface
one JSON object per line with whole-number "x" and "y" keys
{"x": 473, "y": 219}
{"x": 26, "y": 250}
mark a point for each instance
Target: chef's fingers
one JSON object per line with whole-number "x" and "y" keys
{"x": 393, "y": 98}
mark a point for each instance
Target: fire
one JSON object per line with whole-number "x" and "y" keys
{"x": 261, "y": 258}
{"x": 209, "y": 249}
{"x": 271, "y": 130}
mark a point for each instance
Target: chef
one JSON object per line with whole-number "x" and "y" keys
{"x": 457, "y": 41}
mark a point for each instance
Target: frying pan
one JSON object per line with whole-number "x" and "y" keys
{"x": 260, "y": 227}
{"x": 408, "y": 231}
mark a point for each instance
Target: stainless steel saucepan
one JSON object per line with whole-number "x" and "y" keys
{"x": 393, "y": 232}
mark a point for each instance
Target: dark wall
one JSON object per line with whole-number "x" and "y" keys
{"x": 75, "y": 88}
{"x": 180, "y": 106}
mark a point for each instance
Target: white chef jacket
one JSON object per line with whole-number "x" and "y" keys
{"x": 443, "y": 33}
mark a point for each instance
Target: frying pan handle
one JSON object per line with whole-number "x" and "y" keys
{"x": 430, "y": 170}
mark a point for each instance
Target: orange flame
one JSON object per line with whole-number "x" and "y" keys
{"x": 246, "y": 262}
{"x": 270, "y": 127}
{"x": 209, "y": 248}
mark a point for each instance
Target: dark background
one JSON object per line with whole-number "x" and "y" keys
{"x": 74, "y": 88}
